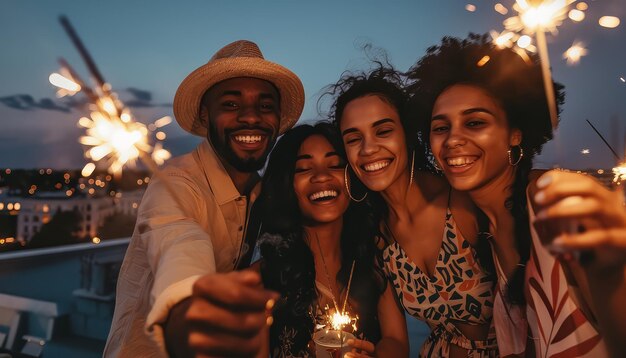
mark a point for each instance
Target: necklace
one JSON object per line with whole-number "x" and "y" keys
{"x": 330, "y": 285}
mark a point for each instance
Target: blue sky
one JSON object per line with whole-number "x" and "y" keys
{"x": 153, "y": 45}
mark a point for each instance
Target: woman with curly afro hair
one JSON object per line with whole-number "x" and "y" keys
{"x": 485, "y": 112}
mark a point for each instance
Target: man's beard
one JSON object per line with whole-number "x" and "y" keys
{"x": 224, "y": 149}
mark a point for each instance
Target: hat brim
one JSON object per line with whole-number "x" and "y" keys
{"x": 192, "y": 88}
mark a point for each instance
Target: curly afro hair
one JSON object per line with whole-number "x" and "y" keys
{"x": 516, "y": 83}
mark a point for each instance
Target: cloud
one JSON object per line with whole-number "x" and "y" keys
{"x": 142, "y": 98}
{"x": 25, "y": 102}
{"x": 140, "y": 95}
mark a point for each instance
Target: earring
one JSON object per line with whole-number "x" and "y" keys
{"x": 412, "y": 168}
{"x": 345, "y": 180}
{"x": 436, "y": 165}
{"x": 521, "y": 155}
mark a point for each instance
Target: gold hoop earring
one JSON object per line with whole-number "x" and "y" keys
{"x": 521, "y": 155}
{"x": 345, "y": 180}
{"x": 412, "y": 168}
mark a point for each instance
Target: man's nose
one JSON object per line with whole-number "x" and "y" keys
{"x": 249, "y": 114}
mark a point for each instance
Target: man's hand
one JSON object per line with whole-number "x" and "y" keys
{"x": 227, "y": 315}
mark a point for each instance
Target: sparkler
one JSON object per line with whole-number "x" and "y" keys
{"x": 338, "y": 319}
{"x": 112, "y": 136}
{"x": 619, "y": 173}
{"x": 536, "y": 17}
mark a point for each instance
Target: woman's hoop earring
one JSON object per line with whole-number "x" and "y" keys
{"x": 412, "y": 168}
{"x": 345, "y": 180}
{"x": 436, "y": 165}
{"x": 521, "y": 155}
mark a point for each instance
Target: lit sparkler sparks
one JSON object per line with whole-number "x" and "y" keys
{"x": 610, "y": 22}
{"x": 619, "y": 173}
{"x": 576, "y": 15}
{"x": 501, "y": 9}
{"x": 536, "y": 17}
{"x": 503, "y": 39}
{"x": 574, "y": 53}
{"x": 111, "y": 139}
{"x": 112, "y": 135}
{"x": 66, "y": 85}
{"x": 340, "y": 318}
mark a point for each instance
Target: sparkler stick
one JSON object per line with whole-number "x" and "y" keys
{"x": 91, "y": 65}
{"x": 89, "y": 92}
{"x": 604, "y": 140}
{"x": 547, "y": 76}
{"x": 343, "y": 308}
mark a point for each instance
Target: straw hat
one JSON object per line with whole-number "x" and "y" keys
{"x": 239, "y": 59}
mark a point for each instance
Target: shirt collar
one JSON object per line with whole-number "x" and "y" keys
{"x": 220, "y": 182}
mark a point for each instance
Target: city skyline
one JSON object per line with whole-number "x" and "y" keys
{"x": 145, "y": 52}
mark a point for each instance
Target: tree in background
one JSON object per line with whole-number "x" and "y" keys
{"x": 62, "y": 229}
{"x": 116, "y": 226}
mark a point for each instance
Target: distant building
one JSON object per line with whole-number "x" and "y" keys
{"x": 31, "y": 213}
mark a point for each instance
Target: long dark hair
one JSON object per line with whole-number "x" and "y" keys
{"x": 288, "y": 265}
{"x": 517, "y": 85}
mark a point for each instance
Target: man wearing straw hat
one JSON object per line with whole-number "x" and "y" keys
{"x": 240, "y": 103}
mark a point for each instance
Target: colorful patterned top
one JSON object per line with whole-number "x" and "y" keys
{"x": 558, "y": 326}
{"x": 459, "y": 291}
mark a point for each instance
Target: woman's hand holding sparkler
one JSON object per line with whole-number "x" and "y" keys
{"x": 600, "y": 217}
{"x": 598, "y": 211}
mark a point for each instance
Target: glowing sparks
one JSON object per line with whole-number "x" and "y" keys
{"x": 88, "y": 169}
{"x": 95, "y": 240}
{"x": 524, "y": 41}
{"x": 66, "y": 85}
{"x": 610, "y": 22}
{"x": 585, "y": 151}
{"x": 483, "y": 61}
{"x": 619, "y": 173}
{"x": 161, "y": 122}
{"x": 339, "y": 320}
{"x": 470, "y": 7}
{"x": 160, "y": 155}
{"x": 110, "y": 138}
{"x": 622, "y": 79}
{"x": 534, "y": 15}
{"x": 574, "y": 53}
{"x": 576, "y": 15}
{"x": 501, "y": 9}
{"x": 502, "y": 40}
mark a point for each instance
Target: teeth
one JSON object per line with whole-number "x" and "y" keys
{"x": 323, "y": 194}
{"x": 459, "y": 161}
{"x": 371, "y": 167}
{"x": 248, "y": 138}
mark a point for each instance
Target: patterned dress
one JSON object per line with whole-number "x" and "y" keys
{"x": 558, "y": 326}
{"x": 459, "y": 291}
